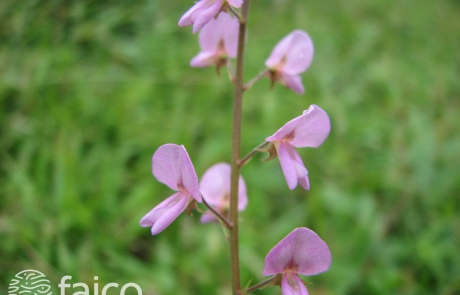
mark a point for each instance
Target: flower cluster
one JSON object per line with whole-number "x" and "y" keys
{"x": 302, "y": 251}
{"x": 172, "y": 166}
{"x": 219, "y": 39}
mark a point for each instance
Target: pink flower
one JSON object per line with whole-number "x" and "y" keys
{"x": 218, "y": 41}
{"x": 300, "y": 252}
{"x": 172, "y": 166}
{"x": 308, "y": 130}
{"x": 290, "y": 57}
{"x": 215, "y": 188}
{"x": 204, "y": 10}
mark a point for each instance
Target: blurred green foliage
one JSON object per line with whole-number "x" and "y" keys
{"x": 90, "y": 89}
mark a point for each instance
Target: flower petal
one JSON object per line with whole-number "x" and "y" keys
{"x": 215, "y": 186}
{"x": 311, "y": 254}
{"x": 279, "y": 53}
{"x": 231, "y": 35}
{"x": 302, "y": 172}
{"x": 188, "y": 175}
{"x": 281, "y": 255}
{"x": 204, "y": 59}
{"x": 172, "y": 166}
{"x": 287, "y": 165}
{"x": 294, "y": 82}
{"x": 215, "y": 183}
{"x": 223, "y": 28}
{"x": 293, "y": 54}
{"x": 301, "y": 251}
{"x": 186, "y": 19}
{"x": 208, "y": 216}
{"x": 165, "y": 213}
{"x": 166, "y": 165}
{"x": 286, "y": 130}
{"x": 202, "y": 16}
{"x": 300, "y": 54}
{"x": 291, "y": 284}
{"x": 242, "y": 194}
{"x": 305, "y": 182}
{"x": 313, "y": 128}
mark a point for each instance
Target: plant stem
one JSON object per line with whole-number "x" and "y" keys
{"x": 217, "y": 214}
{"x": 255, "y": 79}
{"x": 236, "y": 146}
{"x": 244, "y": 160}
{"x": 261, "y": 284}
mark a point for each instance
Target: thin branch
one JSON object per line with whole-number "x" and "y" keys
{"x": 255, "y": 79}
{"x": 261, "y": 284}
{"x": 227, "y": 223}
{"x": 244, "y": 160}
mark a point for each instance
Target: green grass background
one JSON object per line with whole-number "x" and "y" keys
{"x": 90, "y": 89}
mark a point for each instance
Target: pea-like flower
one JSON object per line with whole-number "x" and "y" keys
{"x": 290, "y": 57}
{"x": 308, "y": 130}
{"x": 300, "y": 252}
{"x": 204, "y": 10}
{"x": 218, "y": 41}
{"x": 172, "y": 166}
{"x": 215, "y": 189}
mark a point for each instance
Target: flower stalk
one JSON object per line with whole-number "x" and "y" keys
{"x": 236, "y": 147}
{"x": 267, "y": 282}
{"x": 257, "y": 149}
{"x": 227, "y": 223}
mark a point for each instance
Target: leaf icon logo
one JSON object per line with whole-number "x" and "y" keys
{"x": 30, "y": 282}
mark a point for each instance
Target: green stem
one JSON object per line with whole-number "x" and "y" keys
{"x": 236, "y": 146}
{"x": 255, "y": 79}
{"x": 257, "y": 149}
{"x": 261, "y": 284}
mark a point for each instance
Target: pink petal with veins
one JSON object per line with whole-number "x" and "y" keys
{"x": 204, "y": 15}
{"x": 286, "y": 131}
{"x": 165, "y": 213}
{"x": 223, "y": 28}
{"x": 201, "y": 13}
{"x": 292, "y": 168}
{"x": 302, "y": 251}
{"x": 172, "y": 166}
{"x": 186, "y": 19}
{"x": 215, "y": 186}
{"x": 313, "y": 128}
{"x": 308, "y": 130}
{"x": 218, "y": 41}
{"x": 300, "y": 55}
{"x": 302, "y": 173}
{"x": 293, "y": 54}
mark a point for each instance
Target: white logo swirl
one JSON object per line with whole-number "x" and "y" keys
{"x": 29, "y": 282}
